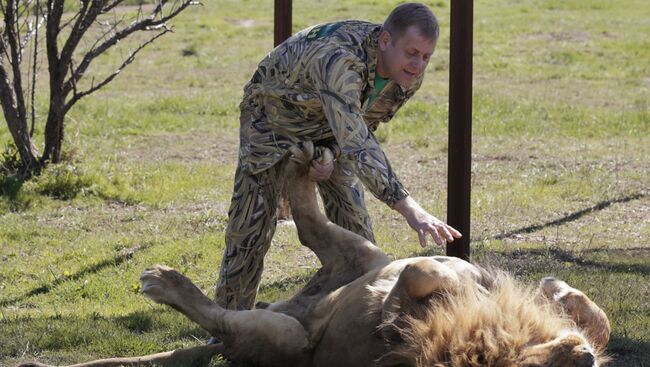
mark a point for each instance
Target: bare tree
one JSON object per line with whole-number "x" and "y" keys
{"x": 63, "y": 32}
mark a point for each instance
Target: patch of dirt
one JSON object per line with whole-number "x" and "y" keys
{"x": 421, "y": 170}
{"x": 199, "y": 147}
{"x": 563, "y": 36}
{"x": 245, "y": 23}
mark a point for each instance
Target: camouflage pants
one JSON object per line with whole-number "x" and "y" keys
{"x": 252, "y": 221}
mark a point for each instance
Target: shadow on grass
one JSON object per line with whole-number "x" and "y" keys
{"x": 628, "y": 352}
{"x": 286, "y": 284}
{"x": 550, "y": 260}
{"x": 94, "y": 335}
{"x": 566, "y": 219}
{"x": 91, "y": 269}
{"x": 282, "y": 285}
{"x": 10, "y": 185}
{"x": 628, "y": 260}
{"x": 631, "y": 260}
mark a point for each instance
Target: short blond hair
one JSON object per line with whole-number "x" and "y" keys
{"x": 412, "y": 14}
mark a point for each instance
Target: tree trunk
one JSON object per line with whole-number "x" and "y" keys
{"x": 56, "y": 112}
{"x": 53, "y": 133}
{"x": 17, "y": 125}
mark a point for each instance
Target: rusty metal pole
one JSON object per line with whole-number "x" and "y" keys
{"x": 460, "y": 125}
{"x": 282, "y": 31}
{"x": 282, "y": 21}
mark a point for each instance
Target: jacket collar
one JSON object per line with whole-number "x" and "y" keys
{"x": 371, "y": 45}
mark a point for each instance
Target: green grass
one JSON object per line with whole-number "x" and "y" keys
{"x": 560, "y": 173}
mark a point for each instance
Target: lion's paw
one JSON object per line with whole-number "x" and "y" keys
{"x": 162, "y": 284}
{"x": 302, "y": 154}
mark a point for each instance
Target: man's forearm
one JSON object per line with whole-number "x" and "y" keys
{"x": 406, "y": 206}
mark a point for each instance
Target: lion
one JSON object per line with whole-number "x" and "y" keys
{"x": 362, "y": 309}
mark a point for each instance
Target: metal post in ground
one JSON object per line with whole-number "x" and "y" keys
{"x": 282, "y": 31}
{"x": 282, "y": 21}
{"x": 460, "y": 126}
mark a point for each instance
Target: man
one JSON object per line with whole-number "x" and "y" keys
{"x": 331, "y": 84}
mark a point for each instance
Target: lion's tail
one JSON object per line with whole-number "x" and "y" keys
{"x": 195, "y": 356}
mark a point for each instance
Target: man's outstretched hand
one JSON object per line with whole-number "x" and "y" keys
{"x": 424, "y": 223}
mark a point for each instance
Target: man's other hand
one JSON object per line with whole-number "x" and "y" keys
{"x": 424, "y": 223}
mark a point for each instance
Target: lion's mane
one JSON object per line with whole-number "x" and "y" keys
{"x": 472, "y": 327}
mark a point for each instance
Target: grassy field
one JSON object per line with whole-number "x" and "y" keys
{"x": 561, "y": 173}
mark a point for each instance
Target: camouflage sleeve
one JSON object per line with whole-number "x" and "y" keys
{"x": 339, "y": 81}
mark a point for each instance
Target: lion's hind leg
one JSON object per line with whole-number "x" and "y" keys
{"x": 336, "y": 247}
{"x": 262, "y": 337}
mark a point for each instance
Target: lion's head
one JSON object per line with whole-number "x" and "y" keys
{"x": 506, "y": 326}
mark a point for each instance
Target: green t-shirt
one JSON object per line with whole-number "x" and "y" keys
{"x": 380, "y": 83}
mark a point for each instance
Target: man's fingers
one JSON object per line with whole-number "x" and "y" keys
{"x": 436, "y": 237}
{"x": 422, "y": 237}
{"x": 454, "y": 232}
{"x": 445, "y": 233}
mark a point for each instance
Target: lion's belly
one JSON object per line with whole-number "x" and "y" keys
{"x": 350, "y": 338}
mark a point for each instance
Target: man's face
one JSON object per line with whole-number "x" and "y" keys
{"x": 405, "y": 58}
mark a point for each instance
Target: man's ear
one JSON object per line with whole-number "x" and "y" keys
{"x": 384, "y": 39}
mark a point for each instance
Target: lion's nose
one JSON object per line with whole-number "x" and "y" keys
{"x": 586, "y": 359}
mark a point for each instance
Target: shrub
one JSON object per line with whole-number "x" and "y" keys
{"x": 63, "y": 181}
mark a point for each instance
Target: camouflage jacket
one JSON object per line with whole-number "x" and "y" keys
{"x": 316, "y": 86}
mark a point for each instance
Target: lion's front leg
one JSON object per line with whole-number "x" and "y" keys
{"x": 583, "y": 311}
{"x": 420, "y": 279}
{"x": 167, "y": 286}
{"x": 257, "y": 336}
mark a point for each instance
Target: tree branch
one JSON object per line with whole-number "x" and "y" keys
{"x": 16, "y": 29}
{"x": 54, "y": 11}
{"x": 111, "y": 30}
{"x": 74, "y": 84}
{"x": 69, "y": 21}
{"x": 147, "y": 23}
{"x": 34, "y": 71}
{"x": 77, "y": 96}
{"x": 87, "y": 14}
{"x": 7, "y": 99}
{"x": 111, "y": 6}
{"x": 16, "y": 125}
{"x": 14, "y": 48}
{"x": 3, "y": 46}
{"x": 25, "y": 8}
{"x": 32, "y": 31}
